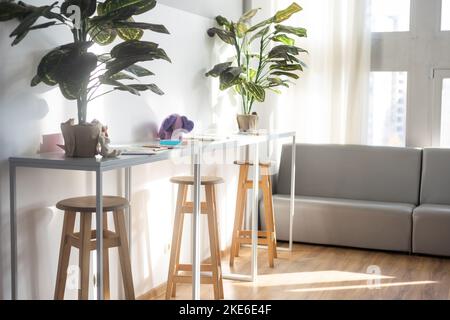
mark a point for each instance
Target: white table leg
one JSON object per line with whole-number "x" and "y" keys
{"x": 292, "y": 205}
{"x": 128, "y": 176}
{"x": 99, "y": 232}
{"x": 13, "y": 229}
{"x": 255, "y": 206}
{"x": 196, "y": 227}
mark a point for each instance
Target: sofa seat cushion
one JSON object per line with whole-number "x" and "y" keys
{"x": 341, "y": 222}
{"x": 431, "y": 231}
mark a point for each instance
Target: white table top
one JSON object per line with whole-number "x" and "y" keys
{"x": 58, "y": 160}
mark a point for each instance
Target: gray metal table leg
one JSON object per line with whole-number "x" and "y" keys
{"x": 255, "y": 206}
{"x": 13, "y": 229}
{"x": 196, "y": 228}
{"x": 292, "y": 204}
{"x": 99, "y": 233}
{"x": 128, "y": 182}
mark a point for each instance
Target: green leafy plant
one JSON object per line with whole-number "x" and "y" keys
{"x": 266, "y": 55}
{"x": 82, "y": 75}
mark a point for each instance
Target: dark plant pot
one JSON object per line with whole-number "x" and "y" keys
{"x": 247, "y": 122}
{"x": 80, "y": 141}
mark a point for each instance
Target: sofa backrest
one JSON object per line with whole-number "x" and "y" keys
{"x": 435, "y": 176}
{"x": 353, "y": 172}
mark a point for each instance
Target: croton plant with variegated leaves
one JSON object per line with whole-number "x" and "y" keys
{"x": 82, "y": 75}
{"x": 267, "y": 56}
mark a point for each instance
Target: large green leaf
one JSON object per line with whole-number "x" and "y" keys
{"x": 249, "y": 15}
{"x": 224, "y": 35}
{"x": 223, "y": 22}
{"x": 256, "y": 91}
{"x": 12, "y": 10}
{"x": 125, "y": 62}
{"x": 142, "y": 25}
{"x": 127, "y": 32}
{"x": 218, "y": 69}
{"x": 87, "y": 7}
{"x": 73, "y": 73}
{"x": 260, "y": 25}
{"x": 140, "y": 6}
{"x": 133, "y": 48}
{"x": 122, "y": 76}
{"x": 144, "y": 87}
{"x": 275, "y": 81}
{"x": 102, "y": 34}
{"x": 70, "y": 90}
{"x": 66, "y": 63}
{"x": 119, "y": 85}
{"x": 139, "y": 71}
{"x": 241, "y": 29}
{"x": 299, "y": 32}
{"x": 286, "y": 67}
{"x": 27, "y": 23}
{"x": 287, "y": 74}
{"x": 285, "y": 14}
{"x": 284, "y": 39}
{"x": 230, "y": 77}
{"x": 283, "y": 52}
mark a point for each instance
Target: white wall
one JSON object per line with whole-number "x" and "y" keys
{"x": 209, "y": 9}
{"x": 27, "y": 113}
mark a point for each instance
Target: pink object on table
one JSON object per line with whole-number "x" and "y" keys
{"x": 50, "y": 143}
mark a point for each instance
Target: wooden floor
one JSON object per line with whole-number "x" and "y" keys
{"x": 317, "y": 272}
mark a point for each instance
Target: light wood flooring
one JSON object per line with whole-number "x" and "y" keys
{"x": 319, "y": 272}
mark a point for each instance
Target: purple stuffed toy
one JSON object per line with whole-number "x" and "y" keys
{"x": 175, "y": 125}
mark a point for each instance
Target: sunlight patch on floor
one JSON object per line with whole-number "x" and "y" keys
{"x": 366, "y": 286}
{"x": 299, "y": 278}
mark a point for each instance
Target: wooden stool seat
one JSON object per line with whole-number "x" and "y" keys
{"x": 189, "y": 180}
{"x": 241, "y": 236}
{"x": 177, "y": 271}
{"x": 89, "y": 204}
{"x": 85, "y": 241}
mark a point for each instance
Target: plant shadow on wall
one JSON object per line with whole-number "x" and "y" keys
{"x": 258, "y": 66}
{"x": 83, "y": 76}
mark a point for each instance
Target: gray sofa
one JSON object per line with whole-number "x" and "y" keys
{"x": 431, "y": 220}
{"x": 367, "y": 197}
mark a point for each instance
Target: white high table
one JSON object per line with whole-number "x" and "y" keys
{"x": 193, "y": 149}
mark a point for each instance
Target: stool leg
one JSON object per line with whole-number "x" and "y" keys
{"x": 213, "y": 241}
{"x": 268, "y": 217}
{"x": 84, "y": 256}
{"x": 106, "y": 286}
{"x": 179, "y": 233}
{"x": 124, "y": 254}
{"x": 176, "y": 240}
{"x": 219, "y": 258}
{"x": 64, "y": 254}
{"x": 275, "y": 244}
{"x": 239, "y": 215}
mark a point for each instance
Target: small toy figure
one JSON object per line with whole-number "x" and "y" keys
{"x": 174, "y": 126}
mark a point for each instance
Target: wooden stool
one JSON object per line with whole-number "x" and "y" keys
{"x": 210, "y": 209}
{"x": 85, "y": 241}
{"x": 267, "y": 237}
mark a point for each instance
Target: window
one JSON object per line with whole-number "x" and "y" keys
{"x": 445, "y": 114}
{"x": 387, "y": 109}
{"x": 390, "y": 15}
{"x": 445, "y": 19}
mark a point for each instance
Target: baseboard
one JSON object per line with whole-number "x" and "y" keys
{"x": 161, "y": 289}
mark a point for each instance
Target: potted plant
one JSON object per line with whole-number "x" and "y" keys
{"x": 266, "y": 58}
{"x": 84, "y": 76}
